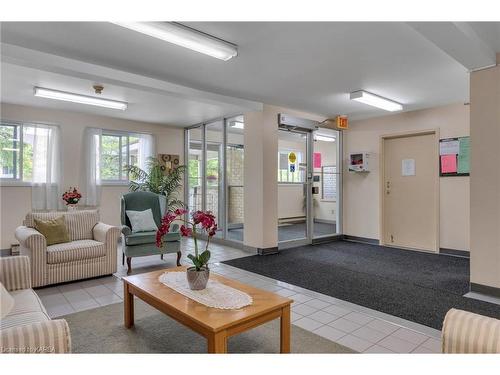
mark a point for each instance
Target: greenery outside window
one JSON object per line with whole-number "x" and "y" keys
{"x": 17, "y": 144}
{"x": 117, "y": 150}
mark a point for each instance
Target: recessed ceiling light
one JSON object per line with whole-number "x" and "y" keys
{"x": 323, "y": 138}
{"x": 78, "y": 98}
{"x": 375, "y": 101}
{"x": 237, "y": 125}
{"x": 186, "y": 37}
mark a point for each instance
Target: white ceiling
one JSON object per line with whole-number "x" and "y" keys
{"x": 301, "y": 65}
{"x": 18, "y": 82}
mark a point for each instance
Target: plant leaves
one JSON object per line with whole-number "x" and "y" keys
{"x": 154, "y": 180}
{"x": 205, "y": 256}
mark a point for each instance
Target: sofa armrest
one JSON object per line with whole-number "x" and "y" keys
{"x": 31, "y": 238}
{"x": 15, "y": 272}
{"x": 45, "y": 337}
{"x": 466, "y": 332}
{"x": 105, "y": 233}
{"x": 126, "y": 231}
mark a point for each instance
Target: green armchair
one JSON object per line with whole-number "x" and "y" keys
{"x": 144, "y": 243}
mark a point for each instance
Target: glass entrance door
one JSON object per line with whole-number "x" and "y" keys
{"x": 326, "y": 184}
{"x": 294, "y": 188}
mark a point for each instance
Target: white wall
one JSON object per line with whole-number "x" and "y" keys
{"x": 485, "y": 176}
{"x": 361, "y": 190}
{"x": 15, "y": 202}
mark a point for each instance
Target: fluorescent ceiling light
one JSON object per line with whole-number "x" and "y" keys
{"x": 237, "y": 125}
{"x": 185, "y": 37}
{"x": 324, "y": 138}
{"x": 77, "y": 98}
{"x": 375, "y": 101}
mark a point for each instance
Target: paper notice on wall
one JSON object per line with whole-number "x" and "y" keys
{"x": 449, "y": 163}
{"x": 408, "y": 167}
{"x": 283, "y": 162}
{"x": 464, "y": 155}
{"x": 317, "y": 159}
{"x": 449, "y": 147}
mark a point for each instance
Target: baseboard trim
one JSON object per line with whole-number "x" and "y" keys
{"x": 322, "y": 240}
{"x": 454, "y": 253}
{"x": 371, "y": 241}
{"x": 324, "y": 221}
{"x": 262, "y": 251}
{"x": 485, "y": 289}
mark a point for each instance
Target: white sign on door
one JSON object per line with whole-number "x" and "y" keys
{"x": 408, "y": 167}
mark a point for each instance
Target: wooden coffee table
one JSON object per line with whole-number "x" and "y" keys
{"x": 216, "y": 325}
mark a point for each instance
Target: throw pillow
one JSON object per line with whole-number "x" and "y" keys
{"x": 6, "y": 302}
{"x": 142, "y": 221}
{"x": 54, "y": 231}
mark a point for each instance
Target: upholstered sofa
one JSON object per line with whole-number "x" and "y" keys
{"x": 27, "y": 328}
{"x": 141, "y": 244}
{"x": 91, "y": 252}
{"x": 465, "y": 332}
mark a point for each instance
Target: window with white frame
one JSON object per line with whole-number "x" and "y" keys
{"x": 289, "y": 172}
{"x": 119, "y": 149}
{"x": 27, "y": 152}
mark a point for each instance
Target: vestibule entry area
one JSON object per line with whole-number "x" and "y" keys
{"x": 307, "y": 179}
{"x": 308, "y": 185}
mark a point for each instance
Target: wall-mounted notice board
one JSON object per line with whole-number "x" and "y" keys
{"x": 454, "y": 157}
{"x": 329, "y": 181}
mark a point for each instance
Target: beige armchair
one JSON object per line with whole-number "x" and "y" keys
{"x": 27, "y": 328}
{"x": 91, "y": 252}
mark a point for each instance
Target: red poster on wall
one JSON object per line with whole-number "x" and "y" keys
{"x": 317, "y": 160}
{"x": 448, "y": 163}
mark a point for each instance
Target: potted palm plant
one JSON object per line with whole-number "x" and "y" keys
{"x": 198, "y": 274}
{"x": 157, "y": 181}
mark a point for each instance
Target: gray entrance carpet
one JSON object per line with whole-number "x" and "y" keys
{"x": 290, "y": 231}
{"x": 412, "y": 285}
{"x": 101, "y": 330}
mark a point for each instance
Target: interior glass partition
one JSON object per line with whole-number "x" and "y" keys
{"x": 235, "y": 154}
{"x": 194, "y": 173}
{"x": 214, "y": 179}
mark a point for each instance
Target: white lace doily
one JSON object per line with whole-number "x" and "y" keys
{"x": 215, "y": 294}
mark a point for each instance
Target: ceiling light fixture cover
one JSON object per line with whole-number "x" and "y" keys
{"x": 186, "y": 37}
{"x": 376, "y": 101}
{"x": 78, "y": 98}
{"x": 323, "y": 138}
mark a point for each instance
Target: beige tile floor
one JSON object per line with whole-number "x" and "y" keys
{"x": 357, "y": 327}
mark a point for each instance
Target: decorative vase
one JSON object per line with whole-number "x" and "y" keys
{"x": 197, "y": 280}
{"x": 72, "y": 207}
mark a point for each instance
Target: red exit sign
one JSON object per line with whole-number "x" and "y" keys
{"x": 342, "y": 122}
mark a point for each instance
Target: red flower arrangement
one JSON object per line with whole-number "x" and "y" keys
{"x": 190, "y": 229}
{"x": 71, "y": 196}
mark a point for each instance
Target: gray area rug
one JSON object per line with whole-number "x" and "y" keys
{"x": 101, "y": 330}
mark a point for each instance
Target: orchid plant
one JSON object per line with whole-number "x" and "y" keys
{"x": 206, "y": 220}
